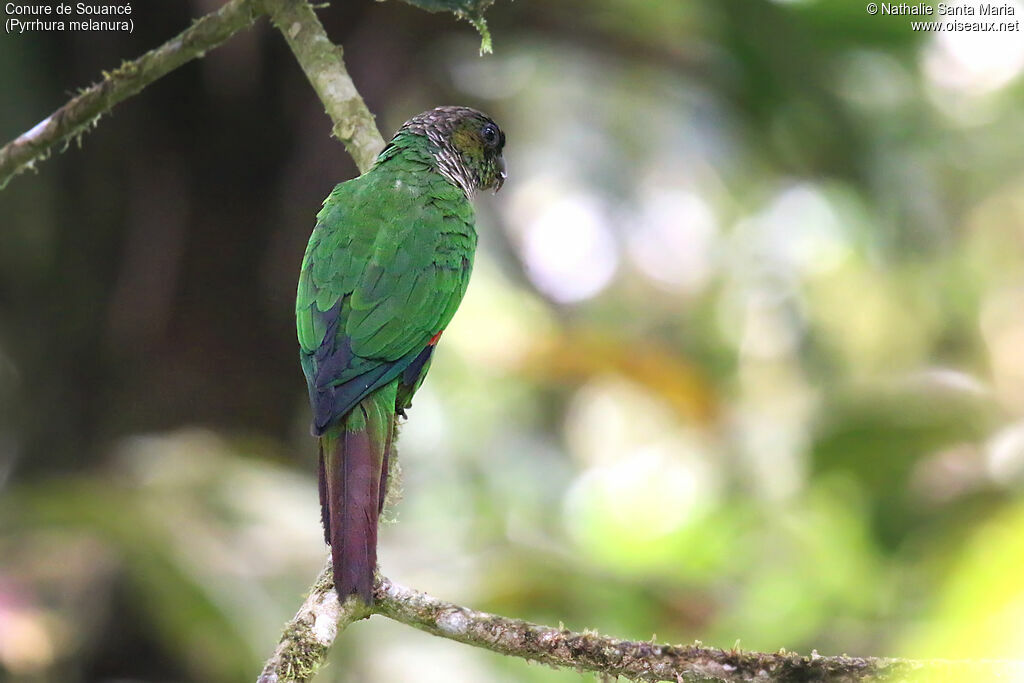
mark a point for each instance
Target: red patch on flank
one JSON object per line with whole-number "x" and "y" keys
{"x": 433, "y": 340}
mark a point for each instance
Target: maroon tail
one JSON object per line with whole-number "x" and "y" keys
{"x": 350, "y": 479}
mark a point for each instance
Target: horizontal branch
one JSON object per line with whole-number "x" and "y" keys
{"x": 308, "y": 637}
{"x": 84, "y": 110}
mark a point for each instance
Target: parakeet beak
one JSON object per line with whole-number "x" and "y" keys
{"x": 501, "y": 174}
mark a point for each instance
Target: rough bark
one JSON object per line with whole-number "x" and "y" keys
{"x": 82, "y": 112}
{"x": 320, "y": 60}
{"x": 307, "y": 639}
{"x": 324, "y": 66}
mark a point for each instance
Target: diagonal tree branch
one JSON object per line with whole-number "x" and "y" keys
{"x": 324, "y": 66}
{"x": 83, "y": 111}
{"x": 308, "y": 637}
{"x": 319, "y": 58}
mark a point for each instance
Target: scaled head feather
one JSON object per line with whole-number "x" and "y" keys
{"x": 466, "y": 146}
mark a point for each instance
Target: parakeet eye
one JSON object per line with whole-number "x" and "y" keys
{"x": 490, "y": 134}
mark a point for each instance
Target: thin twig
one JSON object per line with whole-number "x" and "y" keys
{"x": 83, "y": 111}
{"x": 306, "y": 640}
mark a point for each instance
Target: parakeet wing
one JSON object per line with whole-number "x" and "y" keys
{"x": 386, "y": 266}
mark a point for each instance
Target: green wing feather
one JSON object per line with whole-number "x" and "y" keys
{"x": 384, "y": 271}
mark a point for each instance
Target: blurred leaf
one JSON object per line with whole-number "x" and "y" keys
{"x": 580, "y": 355}
{"x": 811, "y": 561}
{"x": 205, "y": 639}
{"x": 981, "y": 607}
{"x": 880, "y": 437}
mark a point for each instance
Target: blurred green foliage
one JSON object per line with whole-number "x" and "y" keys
{"x": 740, "y": 361}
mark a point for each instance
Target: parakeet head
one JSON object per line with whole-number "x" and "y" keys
{"x": 466, "y": 145}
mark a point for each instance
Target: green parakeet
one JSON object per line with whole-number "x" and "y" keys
{"x": 386, "y": 266}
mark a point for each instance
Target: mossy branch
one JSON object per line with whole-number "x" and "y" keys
{"x": 84, "y": 111}
{"x": 320, "y": 60}
{"x": 323, "y": 65}
{"x": 308, "y": 637}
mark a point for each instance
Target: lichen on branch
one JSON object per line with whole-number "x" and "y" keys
{"x": 324, "y": 66}
{"x": 83, "y": 111}
{"x": 588, "y": 651}
{"x": 318, "y": 57}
